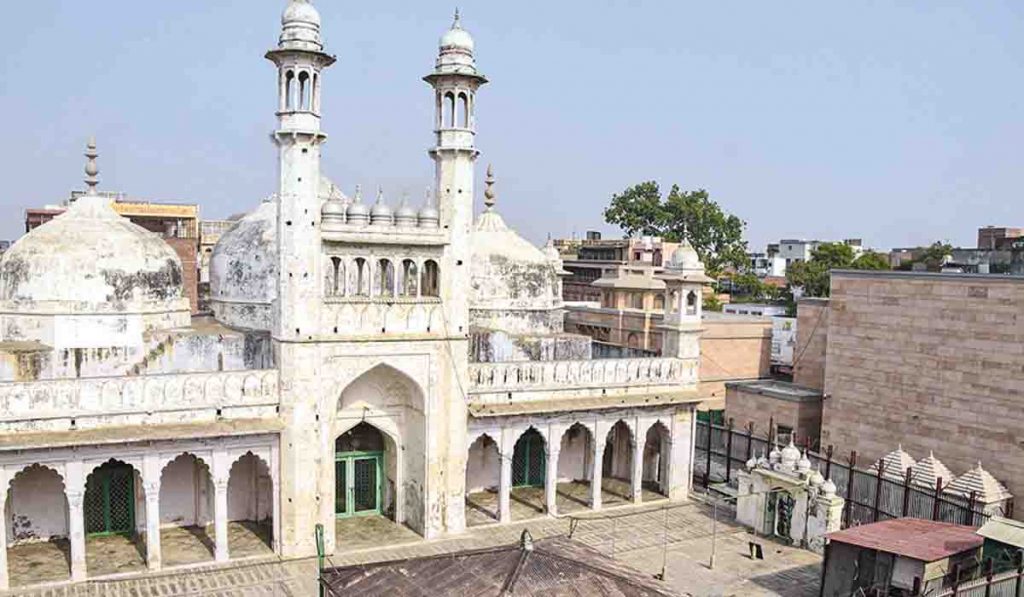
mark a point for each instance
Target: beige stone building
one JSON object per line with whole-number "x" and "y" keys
{"x": 930, "y": 361}
{"x": 403, "y": 369}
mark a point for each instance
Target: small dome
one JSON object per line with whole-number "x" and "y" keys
{"x": 804, "y": 464}
{"x": 828, "y": 488}
{"x": 456, "y": 38}
{"x": 300, "y": 11}
{"x": 685, "y": 257}
{"x": 381, "y": 214}
{"x": 774, "y": 456}
{"x": 790, "y": 456}
{"x": 816, "y": 479}
{"x": 243, "y": 270}
{"x": 333, "y": 211}
{"x": 429, "y": 217}
{"x": 357, "y": 212}
{"x": 91, "y": 260}
{"x": 752, "y": 464}
{"x": 405, "y": 215}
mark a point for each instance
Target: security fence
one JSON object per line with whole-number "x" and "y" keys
{"x": 870, "y": 496}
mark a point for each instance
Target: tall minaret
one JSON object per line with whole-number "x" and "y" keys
{"x": 455, "y": 81}
{"x": 300, "y": 60}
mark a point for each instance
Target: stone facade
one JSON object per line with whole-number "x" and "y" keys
{"x": 811, "y": 337}
{"x": 792, "y": 409}
{"x": 929, "y": 361}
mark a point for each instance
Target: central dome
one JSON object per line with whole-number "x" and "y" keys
{"x": 91, "y": 260}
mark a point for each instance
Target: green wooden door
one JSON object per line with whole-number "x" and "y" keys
{"x": 529, "y": 460}
{"x": 357, "y": 483}
{"x": 110, "y": 500}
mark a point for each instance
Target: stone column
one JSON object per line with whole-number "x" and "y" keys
{"x": 153, "y": 553}
{"x": 275, "y": 480}
{"x": 637, "y": 477}
{"x": 76, "y": 533}
{"x": 551, "y": 479}
{"x": 505, "y": 488}
{"x": 597, "y": 462}
{"x": 5, "y": 582}
{"x": 221, "y": 473}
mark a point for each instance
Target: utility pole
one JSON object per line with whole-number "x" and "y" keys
{"x": 714, "y": 531}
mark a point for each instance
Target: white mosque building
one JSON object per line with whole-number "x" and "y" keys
{"x": 362, "y": 359}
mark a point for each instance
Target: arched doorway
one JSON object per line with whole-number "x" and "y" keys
{"x": 36, "y": 527}
{"x": 186, "y": 511}
{"x": 483, "y": 478}
{"x": 359, "y": 470}
{"x": 575, "y": 467}
{"x": 114, "y": 511}
{"x": 529, "y": 460}
{"x": 617, "y": 459}
{"x": 656, "y": 458}
{"x": 250, "y": 507}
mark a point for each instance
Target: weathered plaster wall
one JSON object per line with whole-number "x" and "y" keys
{"x": 36, "y": 508}
{"x": 250, "y": 491}
{"x": 186, "y": 493}
{"x": 491, "y": 346}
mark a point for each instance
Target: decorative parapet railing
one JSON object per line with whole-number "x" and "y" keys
{"x": 539, "y": 380}
{"x": 179, "y": 398}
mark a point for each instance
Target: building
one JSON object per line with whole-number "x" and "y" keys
{"x": 768, "y": 265}
{"x": 755, "y": 309}
{"x": 905, "y": 556}
{"x": 557, "y": 566}
{"x": 991, "y": 238}
{"x": 594, "y": 258}
{"x": 783, "y": 410}
{"x": 365, "y": 363}
{"x": 783, "y": 344}
{"x": 176, "y": 223}
{"x": 792, "y": 251}
{"x": 944, "y": 347}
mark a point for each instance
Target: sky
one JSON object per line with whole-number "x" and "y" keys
{"x": 896, "y": 122}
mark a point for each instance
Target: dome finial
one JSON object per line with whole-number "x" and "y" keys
{"x": 457, "y": 23}
{"x": 91, "y": 169}
{"x": 359, "y": 193}
{"x": 489, "y": 194}
{"x": 380, "y": 194}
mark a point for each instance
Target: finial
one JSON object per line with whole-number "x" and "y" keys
{"x": 359, "y": 193}
{"x": 91, "y": 169}
{"x": 489, "y": 194}
{"x": 457, "y": 24}
{"x": 380, "y": 194}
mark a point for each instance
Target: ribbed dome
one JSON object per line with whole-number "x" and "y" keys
{"x": 91, "y": 260}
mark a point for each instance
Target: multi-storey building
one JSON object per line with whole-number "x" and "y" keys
{"x": 594, "y": 258}
{"x": 365, "y": 362}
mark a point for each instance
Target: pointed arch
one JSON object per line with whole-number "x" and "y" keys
{"x": 250, "y": 498}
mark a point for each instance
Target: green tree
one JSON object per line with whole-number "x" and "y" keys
{"x": 717, "y": 236}
{"x": 871, "y": 260}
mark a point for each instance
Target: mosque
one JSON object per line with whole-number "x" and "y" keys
{"x": 363, "y": 361}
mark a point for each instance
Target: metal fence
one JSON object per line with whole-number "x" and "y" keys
{"x": 984, "y": 580}
{"x": 870, "y": 496}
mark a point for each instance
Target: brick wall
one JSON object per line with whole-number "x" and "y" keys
{"x": 811, "y": 335}
{"x": 746, "y": 404}
{"x": 186, "y": 250}
{"x": 934, "y": 362}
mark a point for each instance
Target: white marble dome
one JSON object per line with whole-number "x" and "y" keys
{"x": 91, "y": 260}
{"x": 685, "y": 258}
{"x": 300, "y": 11}
{"x": 457, "y": 38}
{"x": 515, "y": 286}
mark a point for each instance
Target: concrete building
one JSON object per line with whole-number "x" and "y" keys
{"x": 594, "y": 258}
{"x": 366, "y": 364}
{"x": 796, "y": 250}
{"x": 769, "y": 264}
{"x": 945, "y": 348}
{"x": 776, "y": 408}
{"x": 991, "y": 238}
{"x": 176, "y": 223}
{"x": 755, "y": 309}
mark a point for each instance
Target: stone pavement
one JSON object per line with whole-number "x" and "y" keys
{"x": 638, "y": 536}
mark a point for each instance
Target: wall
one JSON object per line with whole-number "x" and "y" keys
{"x": 929, "y": 361}
{"x": 36, "y": 508}
{"x": 186, "y": 250}
{"x": 186, "y": 493}
{"x": 250, "y": 491}
{"x": 811, "y": 335}
{"x": 483, "y": 466}
{"x": 799, "y": 411}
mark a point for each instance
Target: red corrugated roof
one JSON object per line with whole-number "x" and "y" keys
{"x": 923, "y": 540}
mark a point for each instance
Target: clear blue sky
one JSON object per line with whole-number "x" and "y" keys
{"x": 898, "y": 122}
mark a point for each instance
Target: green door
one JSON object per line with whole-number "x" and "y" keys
{"x": 528, "y": 461}
{"x": 357, "y": 483}
{"x": 110, "y": 500}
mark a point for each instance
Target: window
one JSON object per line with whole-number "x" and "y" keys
{"x": 448, "y": 115}
{"x": 463, "y": 111}
{"x": 691, "y": 303}
{"x": 289, "y": 91}
{"x": 431, "y": 275}
{"x": 386, "y": 278}
{"x": 362, "y": 275}
{"x": 636, "y": 300}
{"x": 335, "y": 277}
{"x": 409, "y": 278}
{"x": 659, "y": 302}
{"x": 783, "y": 435}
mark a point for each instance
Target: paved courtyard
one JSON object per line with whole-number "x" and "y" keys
{"x": 644, "y": 537}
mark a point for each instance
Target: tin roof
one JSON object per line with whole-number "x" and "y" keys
{"x": 923, "y": 540}
{"x": 556, "y": 566}
{"x": 1004, "y": 530}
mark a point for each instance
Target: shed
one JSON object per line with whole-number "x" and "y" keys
{"x": 1004, "y": 542}
{"x": 900, "y": 556}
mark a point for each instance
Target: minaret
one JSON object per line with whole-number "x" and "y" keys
{"x": 684, "y": 283}
{"x": 300, "y": 61}
{"x": 455, "y": 81}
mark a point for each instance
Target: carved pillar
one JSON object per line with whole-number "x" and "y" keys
{"x": 221, "y": 474}
{"x": 75, "y": 490}
{"x": 637, "y": 477}
{"x": 76, "y": 533}
{"x": 551, "y": 478}
{"x": 5, "y": 582}
{"x": 505, "y": 480}
{"x": 275, "y": 465}
{"x": 597, "y": 462}
{"x": 151, "y": 485}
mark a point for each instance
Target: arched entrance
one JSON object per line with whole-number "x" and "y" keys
{"x": 483, "y": 478}
{"x": 529, "y": 460}
{"x": 186, "y": 511}
{"x": 616, "y": 462}
{"x": 114, "y": 511}
{"x": 575, "y": 467}
{"x": 250, "y": 507}
{"x": 36, "y": 527}
{"x": 655, "y": 467}
{"x": 359, "y": 472}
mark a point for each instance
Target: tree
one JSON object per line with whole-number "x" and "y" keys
{"x": 716, "y": 235}
{"x": 871, "y": 260}
{"x": 813, "y": 275}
